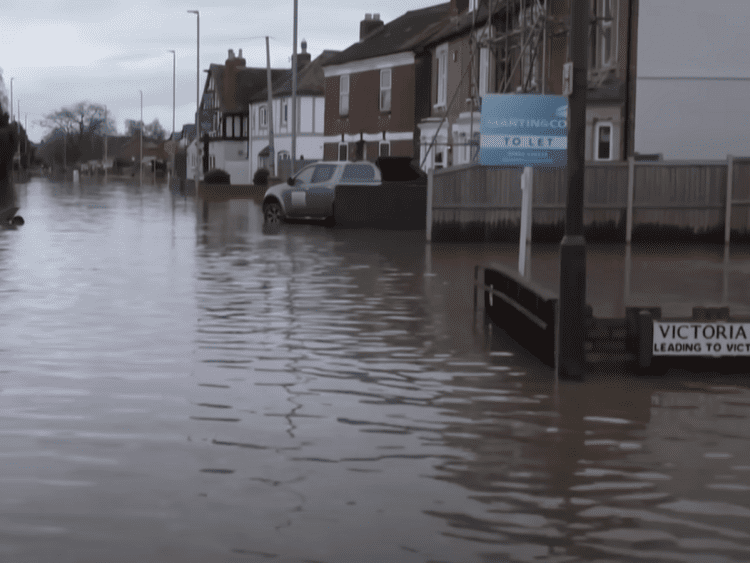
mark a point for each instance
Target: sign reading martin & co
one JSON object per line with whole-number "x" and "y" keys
{"x": 524, "y": 130}
{"x": 701, "y": 339}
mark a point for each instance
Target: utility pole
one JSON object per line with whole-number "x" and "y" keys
{"x": 271, "y": 152}
{"x": 197, "y": 102}
{"x": 294, "y": 92}
{"x": 105, "y": 144}
{"x": 140, "y": 163}
{"x": 571, "y": 329}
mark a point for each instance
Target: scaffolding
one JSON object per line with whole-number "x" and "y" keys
{"x": 516, "y": 34}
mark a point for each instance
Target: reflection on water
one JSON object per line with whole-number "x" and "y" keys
{"x": 180, "y": 385}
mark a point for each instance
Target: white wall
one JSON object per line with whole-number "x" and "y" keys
{"x": 700, "y": 118}
{"x": 309, "y": 145}
{"x": 690, "y": 119}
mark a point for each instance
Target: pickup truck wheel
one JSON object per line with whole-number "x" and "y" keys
{"x": 272, "y": 213}
{"x": 331, "y": 221}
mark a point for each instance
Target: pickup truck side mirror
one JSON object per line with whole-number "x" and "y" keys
{"x": 290, "y": 181}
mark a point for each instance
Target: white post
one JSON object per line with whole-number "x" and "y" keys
{"x": 527, "y": 185}
{"x": 628, "y": 269}
{"x": 269, "y": 113}
{"x": 631, "y": 190}
{"x": 728, "y": 212}
{"x": 430, "y": 183}
{"x": 725, "y": 285}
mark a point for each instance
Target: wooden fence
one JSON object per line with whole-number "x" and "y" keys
{"x": 685, "y": 199}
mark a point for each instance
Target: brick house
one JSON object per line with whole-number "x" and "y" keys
{"x": 377, "y": 90}
{"x": 472, "y": 57}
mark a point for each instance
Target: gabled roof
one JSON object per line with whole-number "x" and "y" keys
{"x": 406, "y": 33}
{"x": 310, "y": 80}
{"x": 248, "y": 81}
{"x": 462, "y": 24}
{"x": 187, "y": 130}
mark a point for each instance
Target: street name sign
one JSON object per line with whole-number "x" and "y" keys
{"x": 701, "y": 339}
{"x": 524, "y": 130}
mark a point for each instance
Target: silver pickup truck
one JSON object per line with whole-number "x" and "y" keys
{"x": 310, "y": 193}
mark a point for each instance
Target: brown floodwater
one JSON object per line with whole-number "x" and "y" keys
{"x": 181, "y": 384}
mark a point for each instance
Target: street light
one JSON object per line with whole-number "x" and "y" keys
{"x": 174, "y": 67}
{"x": 140, "y": 164}
{"x": 197, "y": 100}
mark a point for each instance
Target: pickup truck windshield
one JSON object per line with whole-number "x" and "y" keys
{"x": 358, "y": 173}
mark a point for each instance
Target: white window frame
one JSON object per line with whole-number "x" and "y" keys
{"x": 263, "y": 116}
{"x": 382, "y": 144}
{"x": 599, "y": 126}
{"x": 386, "y": 74}
{"x": 345, "y": 146}
{"x": 344, "y": 89}
{"x": 484, "y": 71}
{"x": 244, "y": 125}
{"x": 600, "y": 26}
{"x": 441, "y": 54}
{"x": 285, "y": 111}
{"x": 237, "y": 126}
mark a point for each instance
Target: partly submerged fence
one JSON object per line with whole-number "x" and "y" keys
{"x": 702, "y": 200}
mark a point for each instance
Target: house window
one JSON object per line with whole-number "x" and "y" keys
{"x": 603, "y": 147}
{"x": 442, "y": 74}
{"x": 385, "y": 89}
{"x": 603, "y": 40}
{"x": 484, "y": 70}
{"x": 244, "y": 125}
{"x": 263, "y": 116}
{"x": 385, "y": 148}
{"x": 237, "y": 126}
{"x": 343, "y": 151}
{"x": 212, "y": 162}
{"x": 344, "y": 94}
{"x": 285, "y": 112}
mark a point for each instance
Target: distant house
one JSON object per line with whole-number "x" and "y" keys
{"x": 377, "y": 90}
{"x": 310, "y": 114}
{"x": 225, "y": 115}
{"x": 130, "y": 151}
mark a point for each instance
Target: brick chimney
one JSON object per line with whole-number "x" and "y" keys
{"x": 304, "y": 57}
{"x": 231, "y": 66}
{"x": 369, "y": 25}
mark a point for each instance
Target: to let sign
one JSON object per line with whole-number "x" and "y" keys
{"x": 524, "y": 130}
{"x": 701, "y": 339}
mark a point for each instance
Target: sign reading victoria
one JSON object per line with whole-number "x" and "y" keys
{"x": 524, "y": 130}
{"x": 701, "y": 339}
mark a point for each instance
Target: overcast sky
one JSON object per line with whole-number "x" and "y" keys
{"x": 65, "y": 51}
{"x": 104, "y": 51}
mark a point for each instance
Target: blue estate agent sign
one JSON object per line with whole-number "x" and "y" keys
{"x": 524, "y": 130}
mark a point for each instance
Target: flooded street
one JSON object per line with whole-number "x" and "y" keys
{"x": 181, "y": 385}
